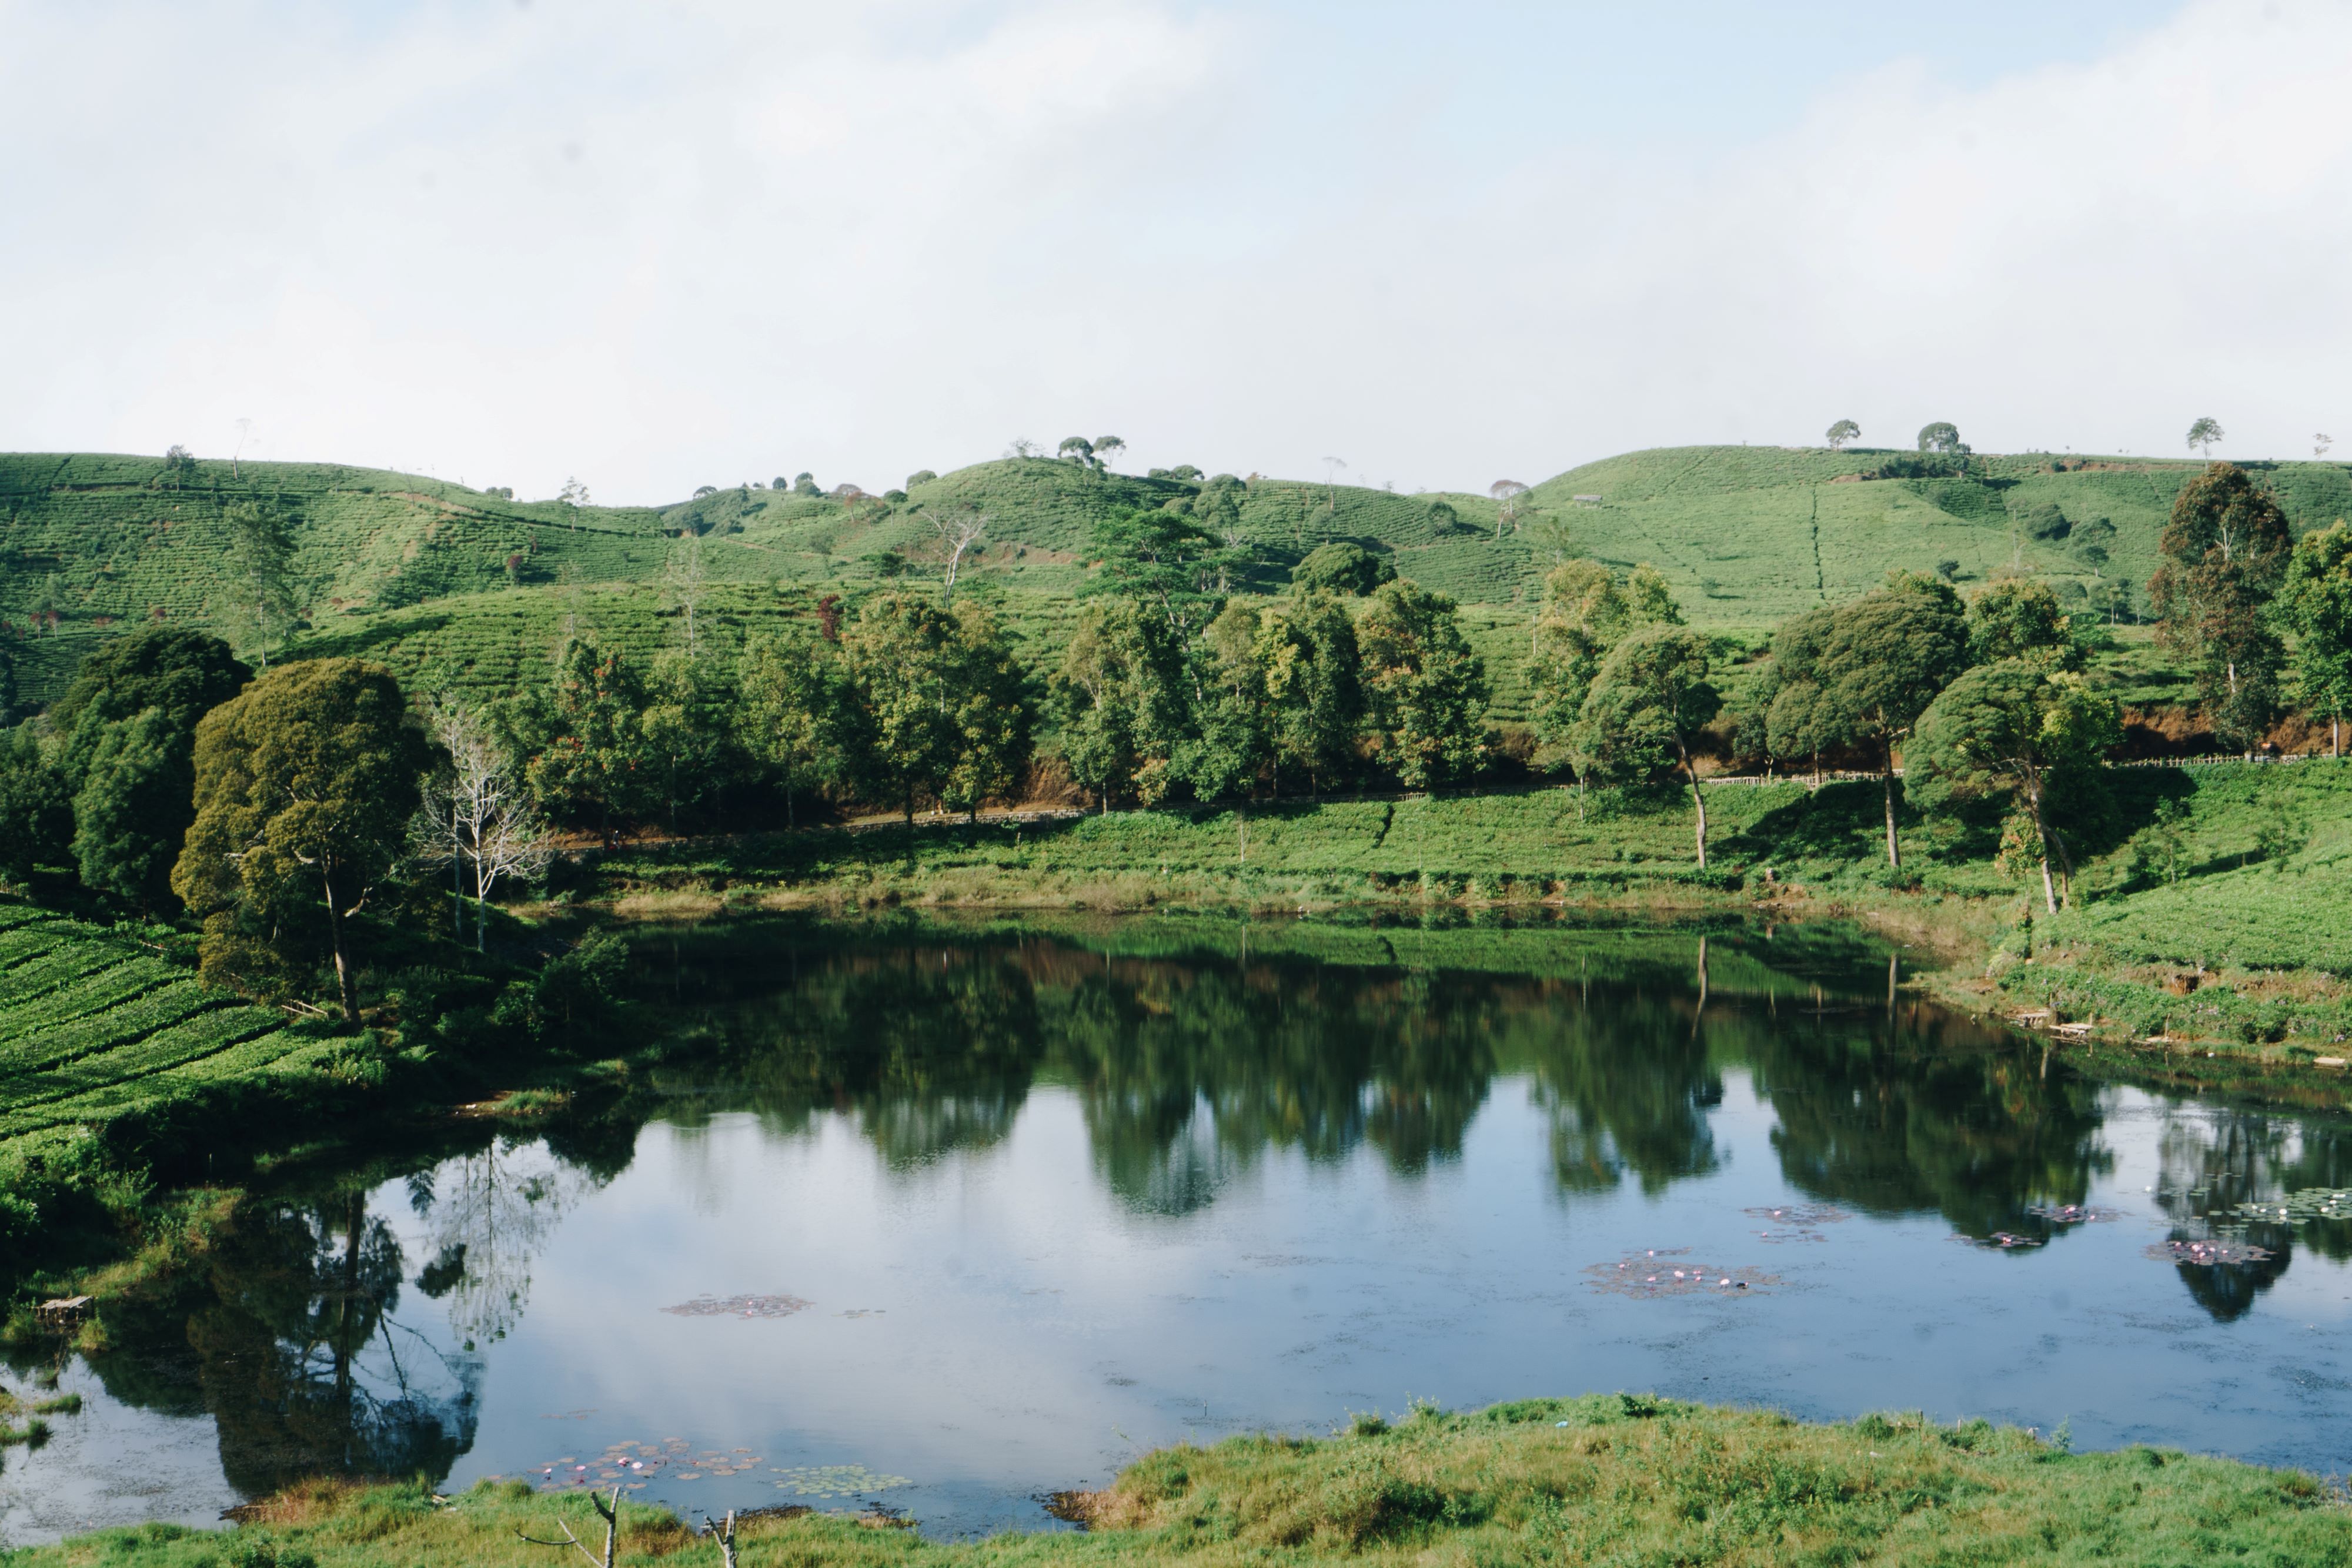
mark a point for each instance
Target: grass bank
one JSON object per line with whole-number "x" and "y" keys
{"x": 1614, "y": 1478}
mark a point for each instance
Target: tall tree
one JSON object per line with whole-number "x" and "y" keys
{"x": 305, "y": 783}
{"x": 1120, "y": 697}
{"x": 1341, "y": 567}
{"x": 127, "y": 729}
{"x": 582, "y": 741}
{"x": 261, "y": 546}
{"x": 2223, "y": 553}
{"x": 1163, "y": 559}
{"x": 926, "y": 726}
{"x": 2205, "y": 435}
{"x": 1790, "y": 702}
{"x": 1884, "y": 658}
{"x": 1424, "y": 691}
{"x": 2020, "y": 618}
{"x": 2316, "y": 601}
{"x": 1585, "y": 610}
{"x": 789, "y": 721}
{"x": 2019, "y": 727}
{"x": 1940, "y": 436}
{"x": 685, "y": 730}
{"x": 36, "y": 810}
{"x": 475, "y": 814}
{"x": 992, "y": 722}
{"x": 1844, "y": 431}
{"x": 1314, "y": 686}
{"x": 1232, "y": 729}
{"x": 1650, "y": 700}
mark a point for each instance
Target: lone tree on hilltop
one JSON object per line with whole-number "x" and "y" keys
{"x": 2205, "y": 433}
{"x": 1844, "y": 431}
{"x": 1510, "y": 500}
{"x": 1106, "y": 448}
{"x": 1077, "y": 449}
{"x": 1942, "y": 435}
{"x": 305, "y": 783}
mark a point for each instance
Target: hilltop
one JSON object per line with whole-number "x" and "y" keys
{"x": 469, "y": 586}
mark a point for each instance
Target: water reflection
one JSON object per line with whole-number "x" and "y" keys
{"x": 318, "y": 1341}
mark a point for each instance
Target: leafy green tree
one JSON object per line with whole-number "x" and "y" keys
{"x": 2224, "y": 551}
{"x": 1941, "y": 435}
{"x": 936, "y": 702}
{"x": 261, "y": 548}
{"x": 1341, "y": 567}
{"x": 1424, "y": 691}
{"x": 36, "y": 811}
{"x": 2316, "y": 601}
{"x": 2205, "y": 435}
{"x": 582, "y": 740}
{"x": 1844, "y": 431}
{"x": 1789, "y": 702}
{"x": 305, "y": 783}
{"x": 1650, "y": 702}
{"x": 2020, "y": 618}
{"x": 133, "y": 793}
{"x": 992, "y": 721}
{"x": 1120, "y": 697}
{"x": 1585, "y": 610}
{"x": 1883, "y": 658}
{"x": 789, "y": 721}
{"x": 1649, "y": 601}
{"x": 1232, "y": 721}
{"x": 2020, "y": 727}
{"x": 687, "y": 740}
{"x": 1314, "y": 686}
{"x": 1164, "y": 561}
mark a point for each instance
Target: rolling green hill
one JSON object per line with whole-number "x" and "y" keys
{"x": 464, "y": 587}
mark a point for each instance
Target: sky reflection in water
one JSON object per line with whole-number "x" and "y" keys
{"x": 1050, "y": 1207}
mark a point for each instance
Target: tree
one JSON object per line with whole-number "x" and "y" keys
{"x": 1107, "y": 448}
{"x": 581, "y": 740}
{"x": 1077, "y": 449}
{"x": 1585, "y": 610}
{"x": 475, "y": 814}
{"x": 2019, "y": 618}
{"x": 992, "y": 722}
{"x": 1650, "y": 700}
{"x": 2223, "y": 553}
{"x": 701, "y": 491}
{"x": 1232, "y": 735}
{"x": 1341, "y": 567}
{"x": 1119, "y": 694}
{"x": 2205, "y": 435}
{"x": 573, "y": 494}
{"x": 36, "y": 808}
{"x": 789, "y": 718}
{"x": 2013, "y": 725}
{"x": 305, "y": 783}
{"x": 1844, "y": 431}
{"x": 929, "y": 699}
{"x": 1510, "y": 501}
{"x": 261, "y": 547}
{"x": 1022, "y": 446}
{"x": 1941, "y": 435}
{"x": 1883, "y": 658}
{"x": 685, "y": 732}
{"x": 960, "y": 528}
{"x": 2320, "y": 444}
{"x": 1424, "y": 691}
{"x": 805, "y": 483}
{"x": 683, "y": 583}
{"x": 2315, "y": 602}
{"x": 1314, "y": 686}
{"x": 1163, "y": 559}
{"x": 133, "y": 793}
{"x": 1791, "y": 700}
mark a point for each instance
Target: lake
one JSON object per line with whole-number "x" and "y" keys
{"x": 947, "y": 1219}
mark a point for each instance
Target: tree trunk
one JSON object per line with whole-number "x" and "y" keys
{"x": 1699, "y": 798}
{"x": 1894, "y": 851}
{"x": 347, "y": 980}
{"x": 2041, "y": 829}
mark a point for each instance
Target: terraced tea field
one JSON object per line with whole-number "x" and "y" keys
{"x": 93, "y": 1027}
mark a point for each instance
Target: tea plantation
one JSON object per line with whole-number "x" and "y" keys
{"x": 467, "y": 589}
{"x": 93, "y": 1026}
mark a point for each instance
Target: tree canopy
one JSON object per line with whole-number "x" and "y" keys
{"x": 1650, "y": 700}
{"x": 1843, "y": 432}
{"x": 305, "y": 783}
{"x": 1341, "y": 567}
{"x": 2316, "y": 601}
{"x": 2223, "y": 553}
{"x": 1424, "y": 691}
{"x": 1882, "y": 659}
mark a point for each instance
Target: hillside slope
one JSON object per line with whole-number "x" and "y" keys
{"x": 1746, "y": 536}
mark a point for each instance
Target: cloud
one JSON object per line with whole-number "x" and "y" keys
{"x": 660, "y": 247}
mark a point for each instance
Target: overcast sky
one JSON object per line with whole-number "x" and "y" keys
{"x": 656, "y": 247}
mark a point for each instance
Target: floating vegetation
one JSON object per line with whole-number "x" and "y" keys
{"x": 1648, "y": 1275}
{"x": 634, "y": 1463}
{"x": 2072, "y": 1213}
{"x": 2309, "y": 1203}
{"x": 1806, "y": 1215}
{"x": 836, "y": 1480}
{"x": 2002, "y": 1241}
{"x": 2217, "y": 1251}
{"x": 738, "y": 1307}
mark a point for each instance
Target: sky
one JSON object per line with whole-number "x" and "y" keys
{"x": 1426, "y": 245}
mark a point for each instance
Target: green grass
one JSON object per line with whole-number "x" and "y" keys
{"x": 1608, "y": 1480}
{"x": 418, "y": 567}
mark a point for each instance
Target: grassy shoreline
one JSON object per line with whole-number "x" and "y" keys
{"x": 1615, "y": 1478}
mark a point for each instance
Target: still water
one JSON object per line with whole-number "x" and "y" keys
{"x": 957, "y": 1219}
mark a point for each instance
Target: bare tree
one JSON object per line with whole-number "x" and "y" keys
{"x": 682, "y": 584}
{"x": 2321, "y": 443}
{"x": 476, "y": 815}
{"x": 243, "y": 434}
{"x": 1023, "y": 448}
{"x": 724, "y": 1535}
{"x": 960, "y": 528}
